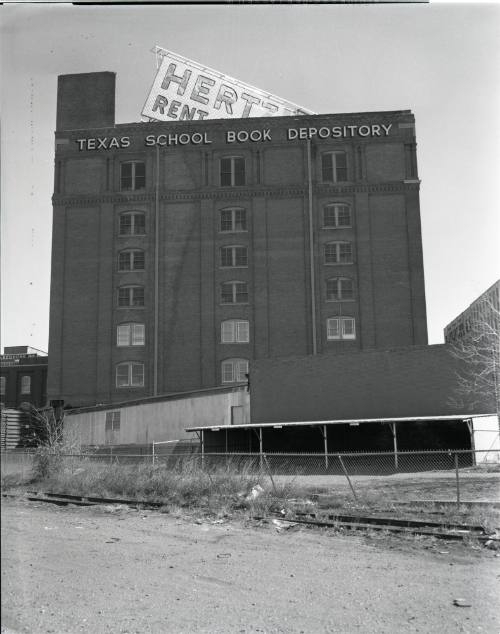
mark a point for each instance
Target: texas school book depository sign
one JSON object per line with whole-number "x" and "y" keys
{"x": 184, "y": 90}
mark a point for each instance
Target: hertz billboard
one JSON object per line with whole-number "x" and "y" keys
{"x": 184, "y": 90}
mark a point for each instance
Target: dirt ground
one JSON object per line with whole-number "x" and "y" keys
{"x": 114, "y": 569}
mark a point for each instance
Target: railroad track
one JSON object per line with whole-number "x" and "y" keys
{"x": 438, "y": 530}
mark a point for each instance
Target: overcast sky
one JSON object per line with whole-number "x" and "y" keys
{"x": 440, "y": 61}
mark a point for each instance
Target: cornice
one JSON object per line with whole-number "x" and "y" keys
{"x": 396, "y": 187}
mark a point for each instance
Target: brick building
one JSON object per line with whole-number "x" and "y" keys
{"x": 481, "y": 315}
{"x": 182, "y": 251}
{"x": 23, "y": 376}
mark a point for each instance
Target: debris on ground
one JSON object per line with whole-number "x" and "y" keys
{"x": 462, "y": 603}
{"x": 284, "y": 526}
{"x": 256, "y": 492}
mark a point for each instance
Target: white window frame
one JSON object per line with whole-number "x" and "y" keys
{"x": 336, "y": 213}
{"x": 235, "y": 331}
{"x": 337, "y": 253}
{"x": 26, "y": 384}
{"x": 133, "y": 231}
{"x": 234, "y": 283}
{"x": 233, "y": 249}
{"x": 233, "y": 211}
{"x": 131, "y": 288}
{"x": 112, "y": 421}
{"x": 339, "y": 289}
{"x": 134, "y": 169}
{"x": 131, "y": 381}
{"x": 334, "y": 168}
{"x": 234, "y": 370}
{"x": 338, "y": 328}
{"x": 232, "y": 172}
{"x": 130, "y": 334}
{"x": 131, "y": 260}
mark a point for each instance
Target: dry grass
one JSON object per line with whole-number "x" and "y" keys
{"x": 185, "y": 485}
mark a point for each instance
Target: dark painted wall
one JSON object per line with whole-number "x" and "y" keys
{"x": 414, "y": 381}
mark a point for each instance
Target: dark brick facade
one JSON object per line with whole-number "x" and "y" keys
{"x": 23, "y": 376}
{"x": 183, "y": 197}
{"x": 410, "y": 382}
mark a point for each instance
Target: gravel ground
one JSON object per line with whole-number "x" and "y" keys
{"x": 114, "y": 569}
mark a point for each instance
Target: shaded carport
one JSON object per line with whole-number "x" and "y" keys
{"x": 330, "y": 439}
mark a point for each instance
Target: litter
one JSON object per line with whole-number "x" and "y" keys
{"x": 223, "y": 555}
{"x": 256, "y": 491}
{"x": 462, "y": 603}
{"x": 283, "y": 526}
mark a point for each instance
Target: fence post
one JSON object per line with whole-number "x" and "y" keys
{"x": 347, "y": 476}
{"x": 269, "y": 472}
{"x": 153, "y": 453}
{"x": 457, "y": 479}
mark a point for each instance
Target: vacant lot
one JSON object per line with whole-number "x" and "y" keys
{"x": 113, "y": 569}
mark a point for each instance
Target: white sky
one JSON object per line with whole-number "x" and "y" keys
{"x": 441, "y": 61}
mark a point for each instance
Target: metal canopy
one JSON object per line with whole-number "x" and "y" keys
{"x": 346, "y": 421}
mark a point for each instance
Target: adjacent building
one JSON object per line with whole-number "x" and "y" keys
{"x": 23, "y": 376}
{"x": 481, "y": 316}
{"x": 185, "y": 250}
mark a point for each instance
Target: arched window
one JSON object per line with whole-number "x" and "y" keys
{"x": 132, "y": 223}
{"x": 132, "y": 334}
{"x": 131, "y": 260}
{"x": 336, "y": 215}
{"x": 233, "y": 219}
{"x": 26, "y": 384}
{"x": 234, "y": 292}
{"x": 233, "y": 256}
{"x": 334, "y": 167}
{"x": 339, "y": 288}
{"x": 235, "y": 331}
{"x": 130, "y": 374}
{"x": 234, "y": 370}
{"x": 338, "y": 253}
{"x": 131, "y": 297}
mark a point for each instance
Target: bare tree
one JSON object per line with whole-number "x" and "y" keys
{"x": 478, "y": 350}
{"x": 46, "y": 425}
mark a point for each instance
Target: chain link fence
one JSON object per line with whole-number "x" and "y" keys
{"x": 375, "y": 478}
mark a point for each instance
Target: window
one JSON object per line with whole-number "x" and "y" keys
{"x": 235, "y": 331}
{"x": 234, "y": 370}
{"x": 132, "y": 175}
{"x": 131, "y": 296}
{"x": 3, "y": 383}
{"x": 233, "y": 220}
{"x": 338, "y": 253}
{"x": 130, "y": 335}
{"x": 130, "y": 374}
{"x": 233, "y": 256}
{"x": 131, "y": 260}
{"x": 334, "y": 167}
{"x": 234, "y": 293}
{"x": 112, "y": 421}
{"x": 340, "y": 328}
{"x": 132, "y": 224}
{"x": 336, "y": 215}
{"x": 26, "y": 384}
{"x": 232, "y": 171}
{"x": 339, "y": 288}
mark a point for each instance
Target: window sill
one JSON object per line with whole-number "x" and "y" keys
{"x": 326, "y": 228}
{"x": 338, "y": 263}
{"x": 339, "y": 301}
